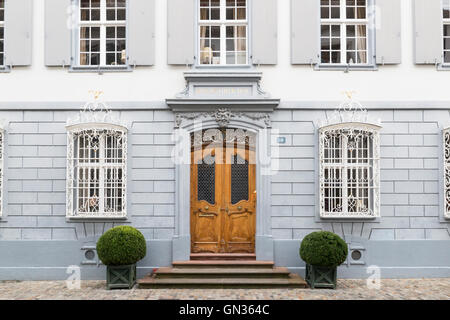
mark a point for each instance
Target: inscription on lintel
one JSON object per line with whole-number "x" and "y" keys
{"x": 222, "y": 91}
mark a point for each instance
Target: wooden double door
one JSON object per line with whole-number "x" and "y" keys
{"x": 223, "y": 199}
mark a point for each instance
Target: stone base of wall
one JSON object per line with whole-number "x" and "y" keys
{"x": 55, "y": 260}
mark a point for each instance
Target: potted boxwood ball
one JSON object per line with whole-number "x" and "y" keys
{"x": 120, "y": 248}
{"x": 323, "y": 252}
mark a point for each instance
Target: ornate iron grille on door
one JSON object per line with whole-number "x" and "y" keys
{"x": 239, "y": 179}
{"x": 206, "y": 180}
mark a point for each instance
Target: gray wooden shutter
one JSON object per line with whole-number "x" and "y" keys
{"x": 264, "y": 31}
{"x": 388, "y": 31}
{"x": 58, "y": 34}
{"x": 18, "y": 32}
{"x": 141, "y": 32}
{"x": 427, "y": 31}
{"x": 305, "y": 31}
{"x": 181, "y": 31}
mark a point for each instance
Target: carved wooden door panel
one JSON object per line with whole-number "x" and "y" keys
{"x": 240, "y": 201}
{"x": 206, "y": 201}
{"x": 223, "y": 200}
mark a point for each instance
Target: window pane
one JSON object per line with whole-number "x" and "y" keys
{"x": 447, "y": 43}
{"x": 231, "y": 58}
{"x": 335, "y": 57}
{"x": 239, "y": 180}
{"x": 95, "y": 59}
{"x": 335, "y": 12}
{"x": 336, "y": 31}
{"x": 204, "y": 14}
{"x": 241, "y": 58}
{"x": 215, "y": 14}
{"x": 446, "y": 30}
{"x": 230, "y": 45}
{"x": 215, "y": 32}
{"x": 95, "y": 15}
{"x": 206, "y": 180}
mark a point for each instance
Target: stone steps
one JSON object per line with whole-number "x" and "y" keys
{"x": 196, "y": 273}
{"x": 222, "y": 274}
{"x": 223, "y": 264}
{"x": 226, "y": 256}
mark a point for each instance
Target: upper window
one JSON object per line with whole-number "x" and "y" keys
{"x": 2, "y": 32}
{"x": 349, "y": 171}
{"x": 446, "y": 31}
{"x": 223, "y": 32}
{"x": 344, "y": 32}
{"x": 102, "y": 33}
{"x": 97, "y": 172}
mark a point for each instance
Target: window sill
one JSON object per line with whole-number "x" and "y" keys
{"x": 443, "y": 67}
{"x": 101, "y": 70}
{"x": 215, "y": 66}
{"x": 97, "y": 219}
{"x": 348, "y": 219}
{"x": 345, "y": 68}
{"x": 5, "y": 69}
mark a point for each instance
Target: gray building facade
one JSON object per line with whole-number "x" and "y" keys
{"x": 396, "y": 222}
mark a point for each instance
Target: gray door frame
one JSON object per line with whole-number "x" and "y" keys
{"x": 188, "y": 123}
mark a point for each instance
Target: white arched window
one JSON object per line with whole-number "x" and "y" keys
{"x": 446, "y": 140}
{"x": 97, "y": 170}
{"x": 349, "y": 170}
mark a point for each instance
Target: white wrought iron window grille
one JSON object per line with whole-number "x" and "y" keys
{"x": 446, "y": 148}
{"x": 102, "y": 33}
{"x": 344, "y": 33}
{"x": 223, "y": 32}
{"x": 349, "y": 171}
{"x": 97, "y": 172}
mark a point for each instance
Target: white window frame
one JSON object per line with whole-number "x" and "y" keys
{"x": 73, "y": 211}
{"x": 102, "y": 23}
{"x": 2, "y": 25}
{"x": 374, "y": 171}
{"x": 343, "y": 22}
{"x": 445, "y": 21}
{"x": 223, "y": 23}
{"x": 446, "y": 171}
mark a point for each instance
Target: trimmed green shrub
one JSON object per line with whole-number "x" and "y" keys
{"x": 121, "y": 246}
{"x": 323, "y": 249}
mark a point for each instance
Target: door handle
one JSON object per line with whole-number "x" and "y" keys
{"x": 202, "y": 213}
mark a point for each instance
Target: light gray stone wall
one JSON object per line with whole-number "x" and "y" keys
{"x": 410, "y": 177}
{"x": 35, "y": 181}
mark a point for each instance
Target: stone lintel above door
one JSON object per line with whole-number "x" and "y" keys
{"x": 235, "y": 90}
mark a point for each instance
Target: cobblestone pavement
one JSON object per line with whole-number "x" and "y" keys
{"x": 423, "y": 289}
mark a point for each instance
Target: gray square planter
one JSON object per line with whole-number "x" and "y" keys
{"x": 321, "y": 277}
{"x": 121, "y": 277}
